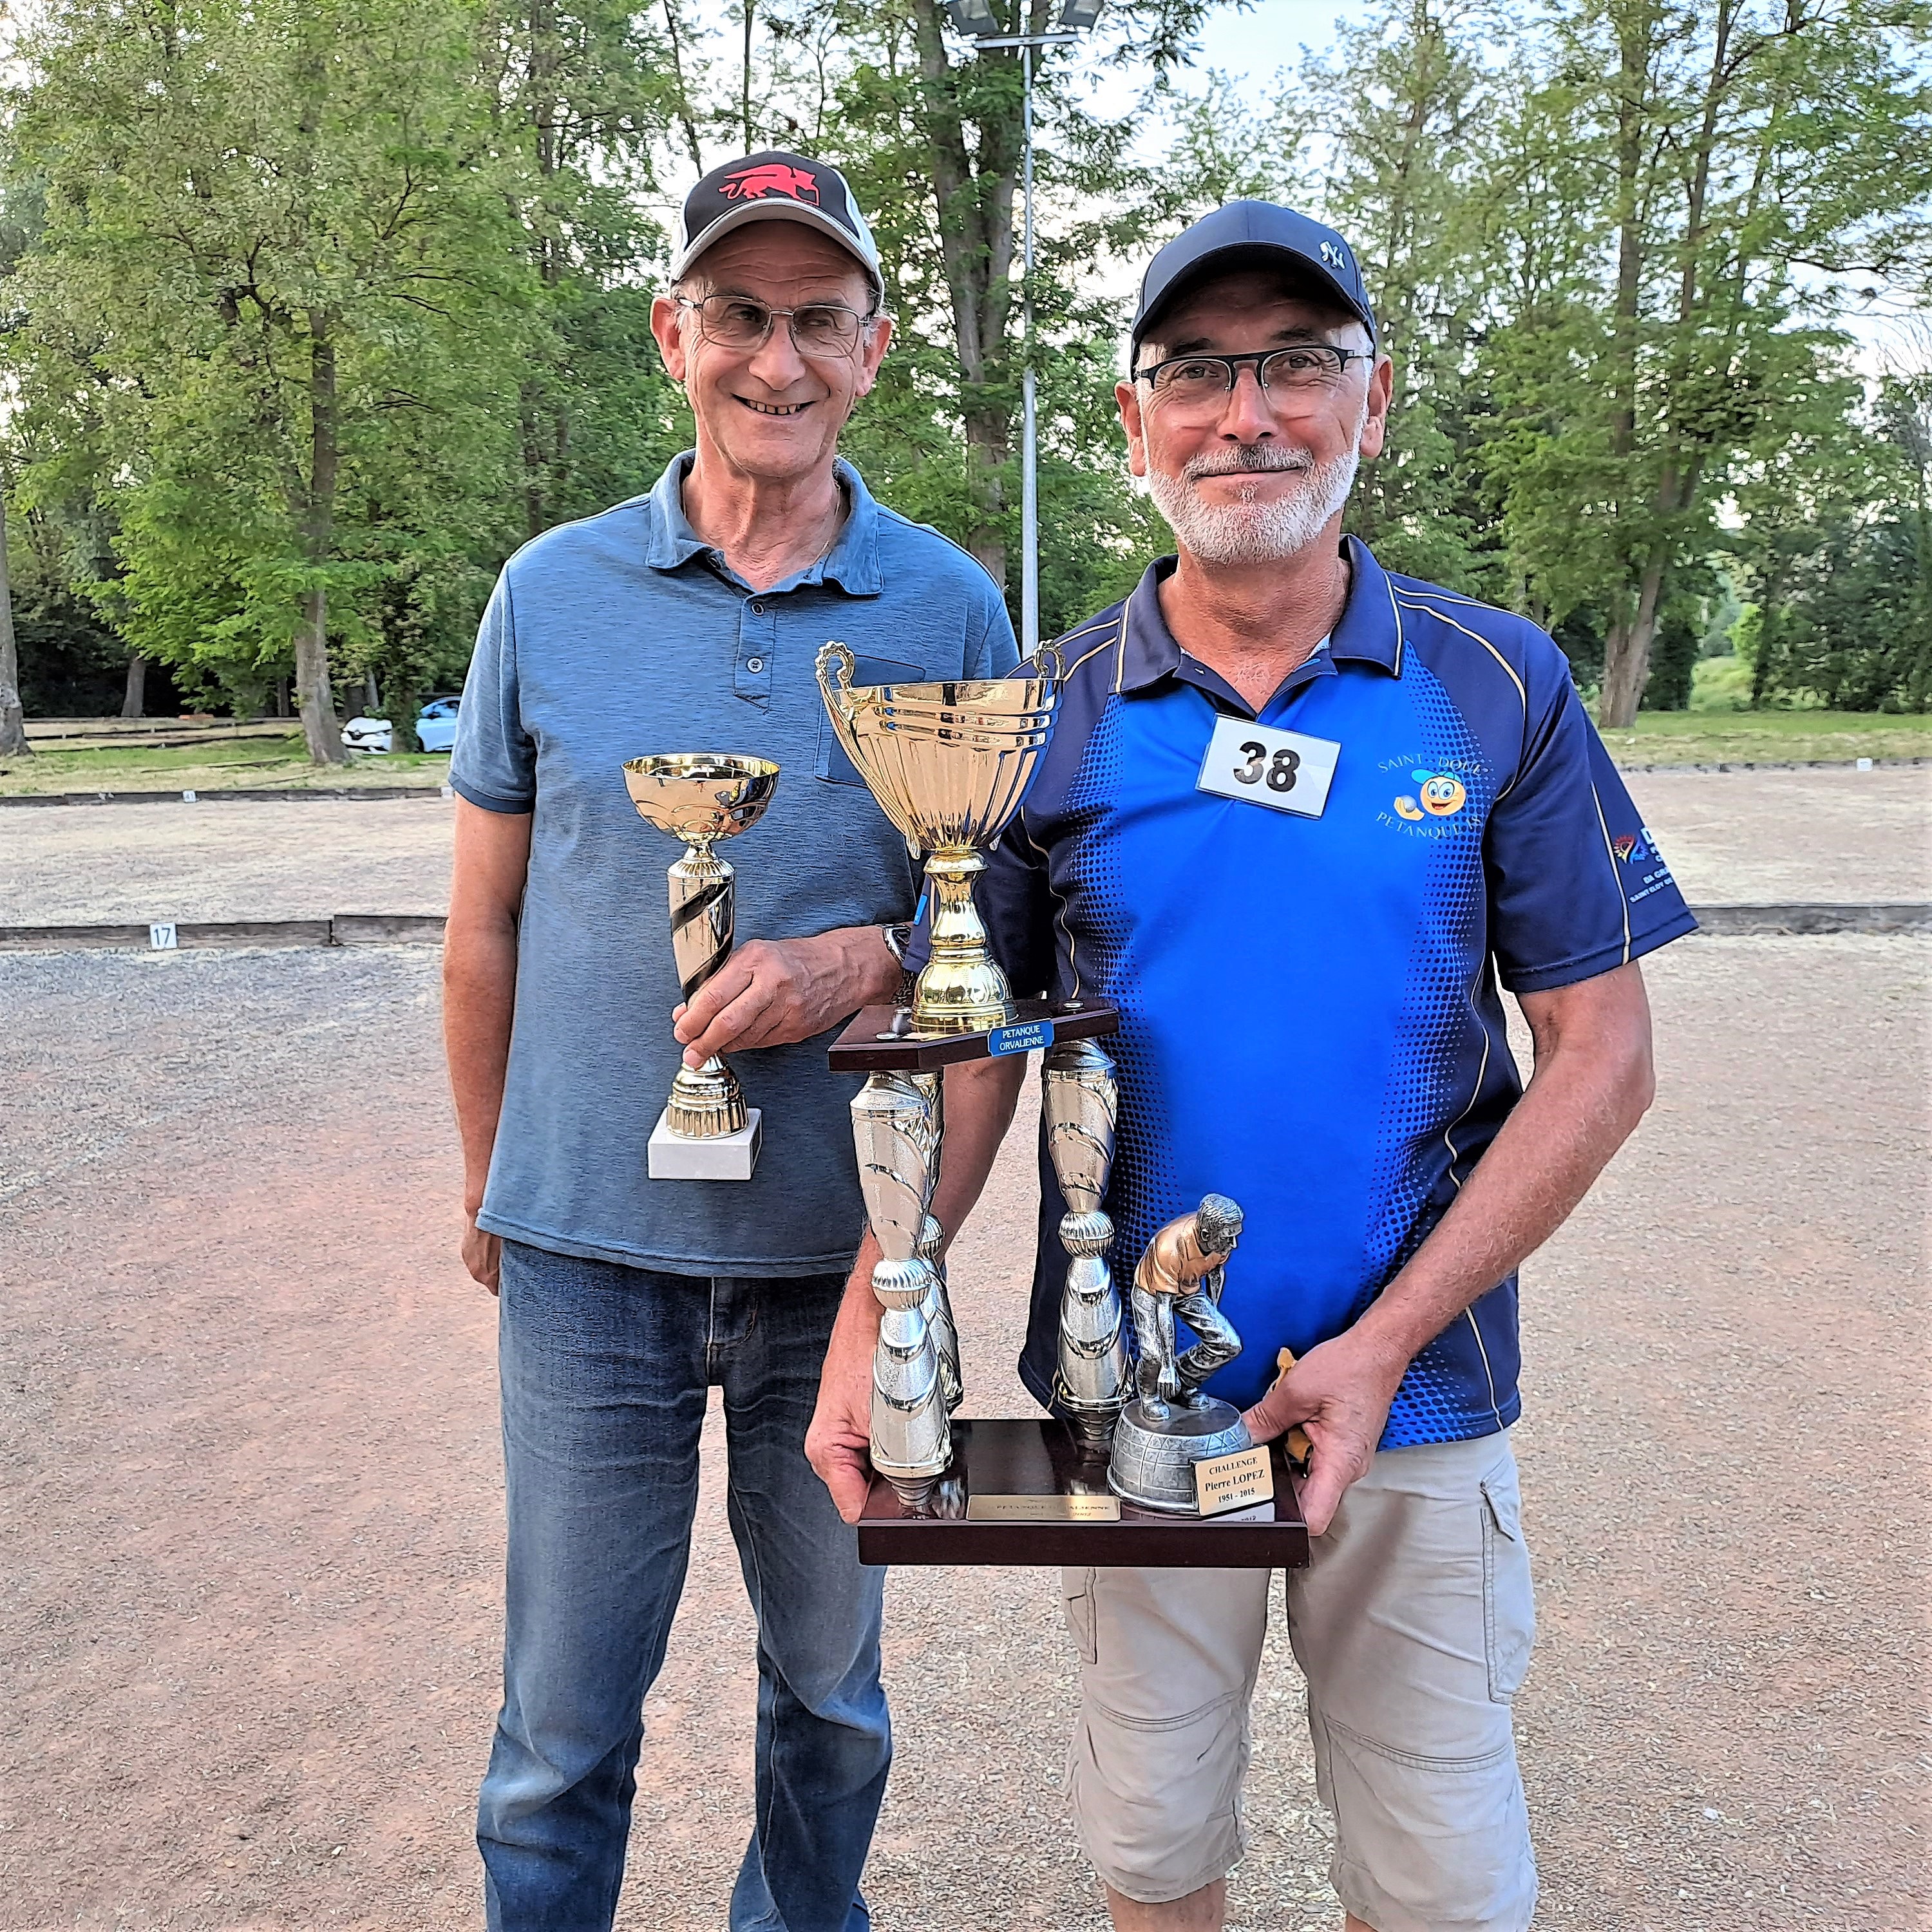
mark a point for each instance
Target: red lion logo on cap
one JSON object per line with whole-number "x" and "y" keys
{"x": 772, "y": 177}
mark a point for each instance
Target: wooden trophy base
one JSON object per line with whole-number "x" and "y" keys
{"x": 1020, "y": 1492}
{"x": 882, "y": 1036}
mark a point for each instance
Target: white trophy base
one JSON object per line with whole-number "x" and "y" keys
{"x": 672, "y": 1157}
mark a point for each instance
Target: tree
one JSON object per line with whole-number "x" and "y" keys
{"x": 1402, "y": 115}
{"x": 1845, "y": 575}
{"x": 1728, "y": 154}
{"x": 585, "y": 91}
{"x": 273, "y": 232}
{"x": 12, "y": 725}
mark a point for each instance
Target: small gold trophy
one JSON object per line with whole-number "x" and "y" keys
{"x": 706, "y": 1131}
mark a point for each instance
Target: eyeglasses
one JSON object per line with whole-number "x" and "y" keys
{"x": 737, "y": 321}
{"x": 1307, "y": 371}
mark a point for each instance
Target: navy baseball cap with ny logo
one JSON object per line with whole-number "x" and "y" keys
{"x": 1246, "y": 234}
{"x": 774, "y": 186}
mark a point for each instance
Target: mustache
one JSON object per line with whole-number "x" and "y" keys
{"x": 1246, "y": 459}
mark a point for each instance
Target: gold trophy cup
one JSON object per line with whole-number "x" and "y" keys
{"x": 706, "y": 1131}
{"x": 948, "y": 763}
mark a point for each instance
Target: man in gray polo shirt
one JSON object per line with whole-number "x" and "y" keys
{"x": 687, "y": 621}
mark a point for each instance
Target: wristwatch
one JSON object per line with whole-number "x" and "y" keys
{"x": 898, "y": 936}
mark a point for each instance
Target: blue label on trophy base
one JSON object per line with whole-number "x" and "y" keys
{"x": 1021, "y": 1038}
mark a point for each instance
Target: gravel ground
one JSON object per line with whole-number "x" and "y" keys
{"x": 1753, "y": 838}
{"x": 75, "y": 865}
{"x": 1736, "y": 836}
{"x": 249, "y": 1561}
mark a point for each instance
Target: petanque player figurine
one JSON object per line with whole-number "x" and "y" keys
{"x": 1179, "y": 1278}
{"x": 1170, "y": 1425}
{"x": 1307, "y": 822}
{"x": 686, "y": 621}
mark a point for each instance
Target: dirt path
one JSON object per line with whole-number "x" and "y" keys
{"x": 249, "y": 1558}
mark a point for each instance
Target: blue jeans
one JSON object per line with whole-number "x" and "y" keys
{"x": 605, "y": 1370}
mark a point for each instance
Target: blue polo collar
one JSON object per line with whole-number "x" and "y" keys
{"x": 1368, "y": 630}
{"x": 853, "y": 563}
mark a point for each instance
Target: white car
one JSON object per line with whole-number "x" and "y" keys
{"x": 436, "y": 724}
{"x": 366, "y": 734}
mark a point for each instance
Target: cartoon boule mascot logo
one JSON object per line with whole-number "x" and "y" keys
{"x": 1437, "y": 795}
{"x": 770, "y": 178}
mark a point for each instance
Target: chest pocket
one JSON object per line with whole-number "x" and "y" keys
{"x": 833, "y": 765}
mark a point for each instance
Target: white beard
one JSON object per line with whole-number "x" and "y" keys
{"x": 1254, "y": 529}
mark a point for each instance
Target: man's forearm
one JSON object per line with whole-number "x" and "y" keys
{"x": 979, "y": 1099}
{"x": 479, "y": 997}
{"x": 980, "y": 1096}
{"x": 1581, "y": 1104}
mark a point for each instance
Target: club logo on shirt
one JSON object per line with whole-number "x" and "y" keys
{"x": 1629, "y": 849}
{"x": 1438, "y": 795}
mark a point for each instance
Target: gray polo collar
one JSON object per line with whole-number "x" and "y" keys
{"x": 853, "y": 562}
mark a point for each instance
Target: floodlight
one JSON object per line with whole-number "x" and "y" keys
{"x": 1077, "y": 16}
{"x": 976, "y": 18}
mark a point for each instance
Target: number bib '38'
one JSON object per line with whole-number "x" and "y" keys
{"x": 1287, "y": 769}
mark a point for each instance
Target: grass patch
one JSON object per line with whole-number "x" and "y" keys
{"x": 281, "y": 764}
{"x": 1769, "y": 737}
{"x": 278, "y": 764}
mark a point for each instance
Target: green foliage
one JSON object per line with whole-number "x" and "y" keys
{"x": 1672, "y": 660}
{"x": 1720, "y": 684}
{"x": 270, "y": 313}
{"x": 313, "y": 310}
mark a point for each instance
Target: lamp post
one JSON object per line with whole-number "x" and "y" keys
{"x": 975, "y": 20}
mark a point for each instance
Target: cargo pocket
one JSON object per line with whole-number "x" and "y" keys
{"x": 1509, "y": 1611}
{"x": 1076, "y": 1589}
{"x": 833, "y": 765}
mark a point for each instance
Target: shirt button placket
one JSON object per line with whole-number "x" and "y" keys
{"x": 757, "y": 632}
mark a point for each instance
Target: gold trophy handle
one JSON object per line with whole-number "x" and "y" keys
{"x": 835, "y": 665}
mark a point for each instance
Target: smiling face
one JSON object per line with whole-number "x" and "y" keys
{"x": 1258, "y": 475}
{"x": 771, "y": 412}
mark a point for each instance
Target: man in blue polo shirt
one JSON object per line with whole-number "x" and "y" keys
{"x": 687, "y": 620}
{"x": 1305, "y": 822}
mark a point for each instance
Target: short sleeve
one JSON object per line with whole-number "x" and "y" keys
{"x": 1015, "y": 907}
{"x": 494, "y": 763}
{"x": 1577, "y": 885}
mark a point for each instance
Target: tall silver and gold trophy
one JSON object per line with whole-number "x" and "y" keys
{"x": 706, "y": 1131}
{"x": 949, "y": 763}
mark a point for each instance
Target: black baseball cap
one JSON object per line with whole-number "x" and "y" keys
{"x": 1251, "y": 234}
{"x": 774, "y": 186}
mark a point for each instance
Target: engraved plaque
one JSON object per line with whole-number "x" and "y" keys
{"x": 1043, "y": 1509}
{"x": 1222, "y": 1482}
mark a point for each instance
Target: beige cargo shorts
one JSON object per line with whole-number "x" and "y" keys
{"x": 1413, "y": 1626}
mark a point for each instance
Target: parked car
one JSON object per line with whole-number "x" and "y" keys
{"x": 436, "y": 729}
{"x": 436, "y": 724}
